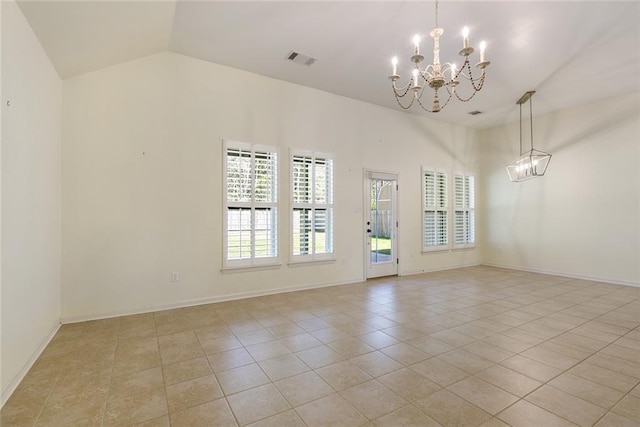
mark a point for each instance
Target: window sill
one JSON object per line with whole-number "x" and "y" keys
{"x": 243, "y": 269}
{"x": 464, "y": 248}
{"x": 293, "y": 264}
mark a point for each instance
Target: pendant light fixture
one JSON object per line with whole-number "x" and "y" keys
{"x": 533, "y": 163}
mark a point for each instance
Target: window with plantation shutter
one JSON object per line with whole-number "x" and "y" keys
{"x": 250, "y": 205}
{"x": 312, "y": 206}
{"x": 435, "y": 230}
{"x": 464, "y": 211}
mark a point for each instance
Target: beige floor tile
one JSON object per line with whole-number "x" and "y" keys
{"x": 186, "y": 370}
{"x": 408, "y": 416}
{"x": 136, "y": 382}
{"x": 257, "y": 403}
{"x": 378, "y": 339}
{"x": 283, "y": 367}
{"x": 241, "y": 378}
{"x": 488, "y": 351}
{"x": 219, "y": 344}
{"x": 350, "y": 347}
{"x": 482, "y": 394}
{"x": 332, "y": 410}
{"x": 450, "y": 410}
{"x": 409, "y": 384}
{"x": 453, "y": 338}
{"x": 229, "y": 359}
{"x": 162, "y": 421}
{"x": 343, "y": 375}
{"x": 303, "y": 388}
{"x": 628, "y": 407}
{"x": 78, "y": 414}
{"x": 550, "y": 358}
{"x": 494, "y": 422}
{"x": 430, "y": 345}
{"x": 439, "y": 372}
{"x": 464, "y": 360}
{"x": 604, "y": 376}
{"x": 132, "y": 408}
{"x": 405, "y": 354}
{"x": 526, "y": 414}
{"x": 566, "y": 405}
{"x": 372, "y": 399}
{"x": 300, "y": 342}
{"x": 284, "y": 419}
{"x": 615, "y": 420}
{"x": 622, "y": 366}
{"x": 257, "y": 336}
{"x": 212, "y": 413}
{"x": 376, "y": 363}
{"x": 508, "y": 380}
{"x": 531, "y": 368}
{"x": 533, "y": 326}
{"x": 317, "y": 357}
{"x": 190, "y": 393}
{"x": 588, "y": 390}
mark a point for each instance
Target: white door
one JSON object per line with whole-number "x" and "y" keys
{"x": 381, "y": 225}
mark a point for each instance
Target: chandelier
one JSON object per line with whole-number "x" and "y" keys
{"x": 436, "y": 75}
{"x": 533, "y": 163}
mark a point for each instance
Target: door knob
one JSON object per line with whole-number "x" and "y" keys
{"x": 368, "y": 230}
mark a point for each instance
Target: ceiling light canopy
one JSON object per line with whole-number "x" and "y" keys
{"x": 532, "y": 163}
{"x": 436, "y": 75}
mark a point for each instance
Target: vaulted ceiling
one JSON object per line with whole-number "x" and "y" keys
{"x": 570, "y": 52}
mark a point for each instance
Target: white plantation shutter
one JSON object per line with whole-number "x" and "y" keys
{"x": 312, "y": 206}
{"x": 464, "y": 210}
{"x": 435, "y": 210}
{"x": 251, "y": 211}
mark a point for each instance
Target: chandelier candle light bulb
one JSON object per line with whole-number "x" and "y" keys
{"x": 465, "y": 37}
{"x": 438, "y": 76}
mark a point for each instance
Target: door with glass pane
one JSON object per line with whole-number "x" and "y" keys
{"x": 381, "y": 226}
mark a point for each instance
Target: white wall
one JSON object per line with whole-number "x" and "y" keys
{"x": 142, "y": 176}
{"x": 583, "y": 217}
{"x": 31, "y": 236}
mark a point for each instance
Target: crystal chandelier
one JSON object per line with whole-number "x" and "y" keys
{"x": 436, "y": 75}
{"x": 533, "y": 163}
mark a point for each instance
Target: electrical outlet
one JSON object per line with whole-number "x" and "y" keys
{"x": 175, "y": 276}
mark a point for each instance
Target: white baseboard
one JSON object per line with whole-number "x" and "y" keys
{"x": 207, "y": 300}
{"x": 17, "y": 379}
{"x": 563, "y": 274}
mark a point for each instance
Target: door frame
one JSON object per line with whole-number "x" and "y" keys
{"x": 379, "y": 174}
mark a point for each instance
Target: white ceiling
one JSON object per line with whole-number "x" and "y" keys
{"x": 570, "y": 52}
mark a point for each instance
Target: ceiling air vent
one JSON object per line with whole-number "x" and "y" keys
{"x": 300, "y": 58}
{"x": 475, "y": 112}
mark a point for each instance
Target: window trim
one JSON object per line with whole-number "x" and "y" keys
{"x": 470, "y": 208}
{"x": 313, "y": 257}
{"x": 252, "y": 262}
{"x": 446, "y": 210}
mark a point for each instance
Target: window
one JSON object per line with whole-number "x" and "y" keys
{"x": 312, "y": 206}
{"x": 251, "y": 205}
{"x": 464, "y": 234}
{"x": 435, "y": 232}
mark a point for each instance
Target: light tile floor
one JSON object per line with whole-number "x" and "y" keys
{"x": 472, "y": 346}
